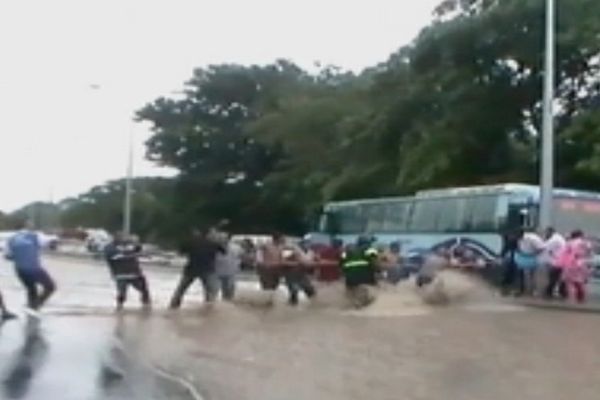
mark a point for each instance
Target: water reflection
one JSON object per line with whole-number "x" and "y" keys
{"x": 27, "y": 362}
{"x": 120, "y": 375}
{"x": 111, "y": 374}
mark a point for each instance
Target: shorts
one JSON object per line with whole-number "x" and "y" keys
{"x": 269, "y": 278}
{"x": 526, "y": 261}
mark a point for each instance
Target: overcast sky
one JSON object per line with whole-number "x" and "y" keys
{"x": 59, "y": 136}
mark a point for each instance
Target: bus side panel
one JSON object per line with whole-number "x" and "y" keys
{"x": 485, "y": 245}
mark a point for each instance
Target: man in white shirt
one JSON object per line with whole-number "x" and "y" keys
{"x": 530, "y": 246}
{"x": 553, "y": 245}
{"x": 227, "y": 266}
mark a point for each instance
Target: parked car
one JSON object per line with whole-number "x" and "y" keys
{"x": 96, "y": 240}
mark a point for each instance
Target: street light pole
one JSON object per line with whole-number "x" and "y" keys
{"x": 547, "y": 152}
{"x": 129, "y": 175}
{"x": 128, "y": 186}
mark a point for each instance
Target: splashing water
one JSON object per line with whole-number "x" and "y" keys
{"x": 450, "y": 288}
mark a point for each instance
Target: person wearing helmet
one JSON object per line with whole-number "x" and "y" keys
{"x": 359, "y": 267}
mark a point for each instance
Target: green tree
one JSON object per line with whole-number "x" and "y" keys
{"x": 466, "y": 106}
{"x": 263, "y": 145}
{"x": 102, "y": 207}
{"x": 222, "y": 167}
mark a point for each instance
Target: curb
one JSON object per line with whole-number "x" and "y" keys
{"x": 556, "y": 306}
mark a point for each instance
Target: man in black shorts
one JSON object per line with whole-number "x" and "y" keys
{"x": 201, "y": 251}
{"x": 122, "y": 258}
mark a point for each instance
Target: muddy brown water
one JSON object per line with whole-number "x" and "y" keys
{"x": 477, "y": 346}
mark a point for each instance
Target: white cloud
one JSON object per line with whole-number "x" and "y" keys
{"x": 60, "y": 136}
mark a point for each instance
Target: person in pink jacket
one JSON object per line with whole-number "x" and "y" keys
{"x": 574, "y": 260}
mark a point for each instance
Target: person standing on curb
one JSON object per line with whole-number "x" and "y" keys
{"x": 510, "y": 245}
{"x": 574, "y": 259}
{"x": 122, "y": 256}
{"x": 553, "y": 246}
{"x": 201, "y": 253}
{"x": 530, "y": 246}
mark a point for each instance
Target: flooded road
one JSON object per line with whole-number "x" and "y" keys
{"x": 400, "y": 348}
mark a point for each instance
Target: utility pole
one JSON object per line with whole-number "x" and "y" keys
{"x": 547, "y": 150}
{"x": 128, "y": 186}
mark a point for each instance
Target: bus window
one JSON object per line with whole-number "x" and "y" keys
{"x": 502, "y": 211}
{"x": 395, "y": 216}
{"x": 451, "y": 215}
{"x": 425, "y": 215}
{"x": 331, "y": 222}
{"x": 481, "y": 214}
{"x": 374, "y": 215}
{"x": 351, "y": 220}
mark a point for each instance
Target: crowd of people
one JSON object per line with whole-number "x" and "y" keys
{"x": 215, "y": 260}
{"x": 548, "y": 266}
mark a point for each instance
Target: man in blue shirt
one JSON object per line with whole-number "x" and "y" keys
{"x": 24, "y": 249}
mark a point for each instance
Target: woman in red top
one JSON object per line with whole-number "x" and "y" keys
{"x": 329, "y": 257}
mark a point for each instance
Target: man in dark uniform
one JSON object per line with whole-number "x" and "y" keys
{"x": 122, "y": 258}
{"x": 201, "y": 251}
{"x": 359, "y": 266}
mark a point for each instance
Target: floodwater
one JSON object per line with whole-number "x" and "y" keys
{"x": 478, "y": 346}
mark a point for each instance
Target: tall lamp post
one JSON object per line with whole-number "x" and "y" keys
{"x": 128, "y": 186}
{"x": 127, "y": 201}
{"x": 547, "y": 151}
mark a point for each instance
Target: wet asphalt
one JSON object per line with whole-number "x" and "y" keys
{"x": 484, "y": 347}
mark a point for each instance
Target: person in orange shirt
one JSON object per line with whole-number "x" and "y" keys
{"x": 329, "y": 259}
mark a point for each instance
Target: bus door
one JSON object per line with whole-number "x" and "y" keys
{"x": 523, "y": 214}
